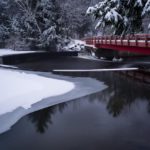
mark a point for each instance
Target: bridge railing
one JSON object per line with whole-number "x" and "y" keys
{"x": 136, "y": 40}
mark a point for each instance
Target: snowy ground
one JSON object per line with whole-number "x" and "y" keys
{"x": 27, "y": 89}
{"x": 5, "y": 52}
{"x": 25, "y": 92}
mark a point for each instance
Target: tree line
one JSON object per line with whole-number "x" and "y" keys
{"x": 50, "y": 24}
{"x": 42, "y": 24}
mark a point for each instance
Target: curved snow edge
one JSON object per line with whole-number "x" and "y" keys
{"x": 20, "y": 89}
{"x": 83, "y": 87}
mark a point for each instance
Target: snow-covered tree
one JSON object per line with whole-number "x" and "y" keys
{"x": 146, "y": 10}
{"x": 38, "y": 22}
{"x": 5, "y": 27}
{"x": 123, "y": 16}
{"x": 74, "y": 14}
{"x": 44, "y": 23}
{"x": 107, "y": 14}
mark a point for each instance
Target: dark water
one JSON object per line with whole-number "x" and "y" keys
{"x": 66, "y": 63}
{"x": 47, "y": 65}
{"x": 117, "y": 118}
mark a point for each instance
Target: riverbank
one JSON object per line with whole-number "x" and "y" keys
{"x": 23, "y": 92}
{"x": 11, "y": 57}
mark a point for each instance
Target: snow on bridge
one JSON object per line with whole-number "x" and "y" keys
{"x": 138, "y": 43}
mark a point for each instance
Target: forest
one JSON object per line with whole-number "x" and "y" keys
{"x": 51, "y": 24}
{"x": 46, "y": 24}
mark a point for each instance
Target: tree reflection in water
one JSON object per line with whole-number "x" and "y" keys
{"x": 121, "y": 93}
{"x": 42, "y": 118}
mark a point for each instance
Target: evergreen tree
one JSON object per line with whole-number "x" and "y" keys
{"x": 47, "y": 24}
{"x": 146, "y": 10}
{"x": 38, "y": 23}
{"x": 5, "y": 27}
{"x": 124, "y": 16}
{"x": 76, "y": 22}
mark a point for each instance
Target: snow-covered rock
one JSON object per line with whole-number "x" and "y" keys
{"x": 117, "y": 59}
{"x": 75, "y": 45}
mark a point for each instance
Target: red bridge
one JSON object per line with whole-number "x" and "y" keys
{"x": 138, "y": 43}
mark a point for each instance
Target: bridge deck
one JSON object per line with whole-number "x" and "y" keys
{"x": 139, "y": 43}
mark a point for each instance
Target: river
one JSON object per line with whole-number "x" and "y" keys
{"x": 117, "y": 118}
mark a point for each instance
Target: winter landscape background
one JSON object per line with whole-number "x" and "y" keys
{"x": 74, "y": 74}
{"x": 43, "y": 24}
{"x": 51, "y": 24}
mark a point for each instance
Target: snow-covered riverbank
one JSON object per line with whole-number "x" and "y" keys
{"x": 19, "y": 89}
{"x": 26, "y": 92}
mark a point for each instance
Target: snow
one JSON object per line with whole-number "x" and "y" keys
{"x": 19, "y": 89}
{"x": 5, "y": 52}
{"x": 146, "y": 8}
{"x": 31, "y": 87}
{"x": 91, "y": 10}
{"x": 138, "y": 3}
{"x": 117, "y": 60}
{"x": 113, "y": 13}
{"x": 75, "y": 45}
{"x": 95, "y": 70}
{"x": 8, "y": 66}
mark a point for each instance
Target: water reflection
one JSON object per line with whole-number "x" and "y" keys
{"x": 125, "y": 92}
{"x": 43, "y": 118}
{"x": 119, "y": 113}
{"x": 121, "y": 94}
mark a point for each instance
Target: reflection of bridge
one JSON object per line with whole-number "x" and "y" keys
{"x": 138, "y": 43}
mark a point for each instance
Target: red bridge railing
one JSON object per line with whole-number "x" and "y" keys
{"x": 139, "y": 43}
